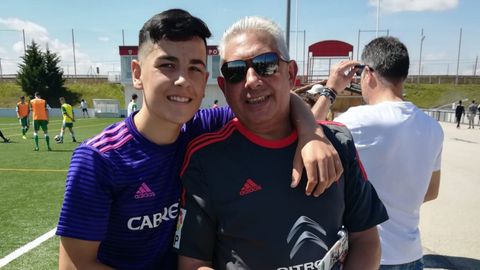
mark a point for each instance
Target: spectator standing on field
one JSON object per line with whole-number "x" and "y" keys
{"x": 472, "y": 111}
{"x": 132, "y": 106}
{"x": 478, "y": 110}
{"x": 459, "y": 111}
{"x": 84, "y": 107}
{"x": 215, "y": 104}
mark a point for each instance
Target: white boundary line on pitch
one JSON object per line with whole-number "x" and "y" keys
{"x": 26, "y": 248}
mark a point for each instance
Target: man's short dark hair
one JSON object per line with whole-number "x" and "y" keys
{"x": 134, "y": 96}
{"x": 388, "y": 57}
{"x": 174, "y": 25}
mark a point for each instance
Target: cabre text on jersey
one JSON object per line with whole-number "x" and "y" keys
{"x": 153, "y": 221}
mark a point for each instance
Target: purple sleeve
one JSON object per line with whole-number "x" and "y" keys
{"x": 208, "y": 120}
{"x": 86, "y": 206}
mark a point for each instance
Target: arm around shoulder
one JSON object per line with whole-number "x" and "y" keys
{"x": 433, "y": 187}
{"x": 79, "y": 254}
{"x": 364, "y": 250}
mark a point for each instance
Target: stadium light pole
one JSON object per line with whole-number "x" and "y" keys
{"x": 458, "y": 57}
{"x": 422, "y": 38}
{"x": 475, "y": 67}
{"x": 74, "y": 60}
{"x": 24, "y": 43}
{"x": 378, "y": 18}
{"x": 287, "y": 28}
{"x": 296, "y": 29}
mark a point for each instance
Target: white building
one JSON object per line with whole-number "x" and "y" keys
{"x": 212, "y": 92}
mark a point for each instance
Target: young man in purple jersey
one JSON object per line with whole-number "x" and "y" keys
{"x": 122, "y": 189}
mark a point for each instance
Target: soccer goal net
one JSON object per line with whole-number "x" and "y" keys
{"x": 106, "y": 108}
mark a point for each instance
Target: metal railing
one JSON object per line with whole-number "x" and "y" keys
{"x": 445, "y": 115}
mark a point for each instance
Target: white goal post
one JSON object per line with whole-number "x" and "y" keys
{"x": 106, "y": 108}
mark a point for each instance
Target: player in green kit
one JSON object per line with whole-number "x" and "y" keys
{"x": 68, "y": 119}
{"x": 23, "y": 112}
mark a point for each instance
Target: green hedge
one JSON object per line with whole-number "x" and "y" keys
{"x": 9, "y": 92}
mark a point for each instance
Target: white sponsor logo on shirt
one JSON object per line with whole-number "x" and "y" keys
{"x": 153, "y": 221}
{"x": 306, "y": 266}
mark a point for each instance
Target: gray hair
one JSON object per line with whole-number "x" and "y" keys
{"x": 255, "y": 24}
{"x": 388, "y": 57}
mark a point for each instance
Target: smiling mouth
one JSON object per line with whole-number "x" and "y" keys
{"x": 179, "y": 99}
{"x": 257, "y": 100}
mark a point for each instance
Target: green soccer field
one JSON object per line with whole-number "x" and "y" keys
{"x": 31, "y": 189}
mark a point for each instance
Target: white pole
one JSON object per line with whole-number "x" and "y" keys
{"x": 458, "y": 57}
{"x": 24, "y": 44}
{"x": 287, "y": 28}
{"x": 378, "y": 16}
{"x": 74, "y": 60}
{"x": 303, "y": 53}
{"x": 475, "y": 67}
{"x": 422, "y": 37}
{"x": 358, "y": 44}
{"x": 296, "y": 30}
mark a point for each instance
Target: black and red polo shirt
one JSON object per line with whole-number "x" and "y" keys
{"x": 238, "y": 208}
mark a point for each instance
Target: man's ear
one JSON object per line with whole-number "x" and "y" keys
{"x": 221, "y": 83}
{"x": 136, "y": 74}
{"x": 370, "y": 78}
{"x": 292, "y": 72}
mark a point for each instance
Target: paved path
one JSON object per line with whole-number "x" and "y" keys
{"x": 450, "y": 225}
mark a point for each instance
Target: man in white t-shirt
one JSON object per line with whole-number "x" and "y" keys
{"x": 399, "y": 144}
{"x": 84, "y": 107}
{"x": 132, "y": 106}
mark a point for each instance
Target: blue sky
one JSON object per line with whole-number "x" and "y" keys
{"x": 98, "y": 27}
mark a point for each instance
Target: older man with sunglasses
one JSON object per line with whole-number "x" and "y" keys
{"x": 238, "y": 210}
{"x": 399, "y": 144}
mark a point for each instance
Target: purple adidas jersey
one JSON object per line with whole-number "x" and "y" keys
{"x": 123, "y": 190}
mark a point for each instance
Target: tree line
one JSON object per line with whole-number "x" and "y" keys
{"x": 40, "y": 72}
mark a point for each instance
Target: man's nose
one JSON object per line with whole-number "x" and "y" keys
{"x": 252, "y": 78}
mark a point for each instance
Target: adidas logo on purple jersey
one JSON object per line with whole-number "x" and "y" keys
{"x": 144, "y": 192}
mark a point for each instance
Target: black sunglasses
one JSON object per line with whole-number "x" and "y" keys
{"x": 360, "y": 69}
{"x": 265, "y": 64}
